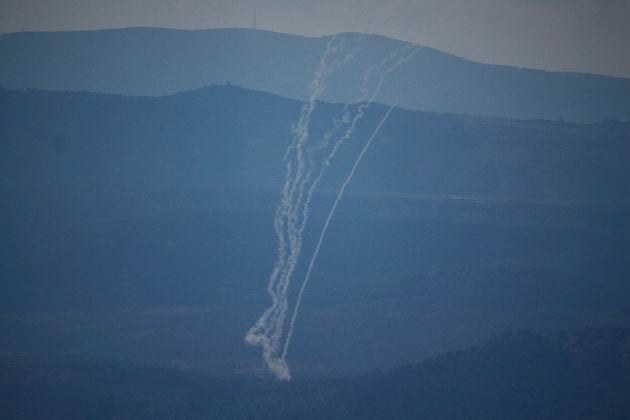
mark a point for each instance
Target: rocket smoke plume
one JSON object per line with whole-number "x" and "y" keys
{"x": 363, "y": 104}
{"x": 322, "y": 234}
{"x": 292, "y": 213}
{"x": 364, "y": 101}
{"x": 268, "y": 329}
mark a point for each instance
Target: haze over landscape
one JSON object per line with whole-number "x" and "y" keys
{"x": 588, "y": 36}
{"x": 323, "y": 218}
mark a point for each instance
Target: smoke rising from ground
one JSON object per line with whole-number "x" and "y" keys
{"x": 322, "y": 234}
{"x": 291, "y": 216}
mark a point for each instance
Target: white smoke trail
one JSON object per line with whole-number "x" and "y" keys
{"x": 348, "y": 133}
{"x": 267, "y": 329}
{"x": 322, "y": 235}
{"x": 299, "y": 180}
{"x": 363, "y": 104}
{"x": 300, "y": 135}
{"x": 295, "y": 239}
{"x": 296, "y": 233}
{"x": 282, "y": 211}
{"x": 364, "y": 100}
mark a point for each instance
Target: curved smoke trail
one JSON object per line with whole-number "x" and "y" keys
{"x": 348, "y": 133}
{"x": 267, "y": 329}
{"x": 364, "y": 102}
{"x": 295, "y": 239}
{"x": 295, "y": 233}
{"x": 322, "y": 234}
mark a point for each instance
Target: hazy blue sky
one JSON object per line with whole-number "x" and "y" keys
{"x": 580, "y": 35}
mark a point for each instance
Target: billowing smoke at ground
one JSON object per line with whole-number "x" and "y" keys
{"x": 306, "y": 163}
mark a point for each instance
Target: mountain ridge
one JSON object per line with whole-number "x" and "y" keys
{"x": 217, "y": 87}
{"x": 326, "y": 36}
{"x": 158, "y": 61}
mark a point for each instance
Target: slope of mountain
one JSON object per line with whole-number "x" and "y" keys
{"x": 573, "y": 375}
{"x": 140, "y": 228}
{"x": 151, "y": 61}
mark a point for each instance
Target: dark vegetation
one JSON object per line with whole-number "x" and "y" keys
{"x": 137, "y": 228}
{"x": 582, "y": 374}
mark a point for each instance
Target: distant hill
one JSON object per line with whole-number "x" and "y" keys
{"x": 146, "y": 61}
{"x": 228, "y": 137}
{"x": 140, "y": 228}
{"x": 572, "y": 375}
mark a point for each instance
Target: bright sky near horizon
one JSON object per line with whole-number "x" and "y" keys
{"x": 576, "y": 35}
